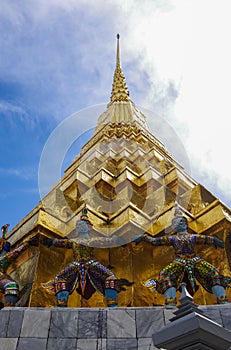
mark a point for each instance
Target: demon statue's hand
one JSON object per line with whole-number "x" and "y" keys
{"x": 33, "y": 241}
{"x": 47, "y": 241}
{"x": 218, "y": 243}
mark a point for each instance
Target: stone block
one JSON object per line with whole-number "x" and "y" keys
{"x": 103, "y": 323}
{"x": 63, "y": 323}
{"x": 15, "y": 323}
{"x": 122, "y": 344}
{"x": 148, "y": 321}
{"x": 4, "y": 321}
{"x": 61, "y": 344}
{"x": 168, "y": 314}
{"x": 91, "y": 344}
{"x": 92, "y": 324}
{"x": 226, "y": 317}
{"x": 121, "y": 323}
{"x": 213, "y": 313}
{"x": 146, "y": 344}
{"x": 8, "y": 343}
{"x": 35, "y": 323}
{"x": 31, "y": 343}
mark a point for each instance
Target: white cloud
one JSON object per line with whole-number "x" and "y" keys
{"x": 11, "y": 108}
{"x": 14, "y": 114}
{"x": 25, "y": 174}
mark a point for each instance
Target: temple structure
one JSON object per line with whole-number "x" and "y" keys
{"x": 129, "y": 183}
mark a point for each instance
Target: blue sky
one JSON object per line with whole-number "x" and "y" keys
{"x": 58, "y": 58}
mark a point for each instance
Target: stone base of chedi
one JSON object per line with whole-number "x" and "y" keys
{"x": 94, "y": 328}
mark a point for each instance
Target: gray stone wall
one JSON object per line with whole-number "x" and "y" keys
{"x": 90, "y": 329}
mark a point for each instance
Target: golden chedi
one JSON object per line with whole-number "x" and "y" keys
{"x": 129, "y": 183}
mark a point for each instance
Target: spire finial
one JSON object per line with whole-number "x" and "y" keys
{"x": 119, "y": 87}
{"x": 118, "y": 51}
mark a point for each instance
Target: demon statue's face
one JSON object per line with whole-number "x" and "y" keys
{"x": 82, "y": 228}
{"x": 180, "y": 225}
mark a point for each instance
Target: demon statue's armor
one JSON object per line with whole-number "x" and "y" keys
{"x": 84, "y": 274}
{"x": 187, "y": 266}
{"x": 9, "y": 290}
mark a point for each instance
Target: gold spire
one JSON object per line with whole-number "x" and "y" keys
{"x": 118, "y": 51}
{"x": 119, "y": 86}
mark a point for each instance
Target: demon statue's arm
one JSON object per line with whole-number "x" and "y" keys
{"x": 58, "y": 243}
{"x": 211, "y": 240}
{"x": 9, "y": 257}
{"x": 156, "y": 241}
